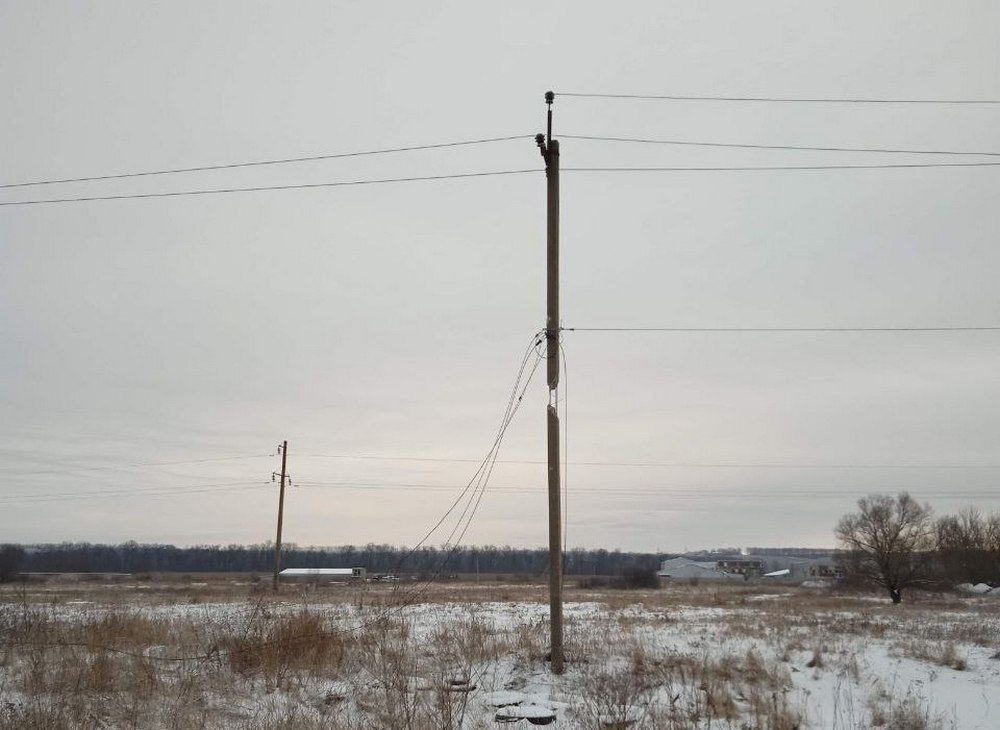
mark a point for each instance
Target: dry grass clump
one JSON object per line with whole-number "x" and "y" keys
{"x": 33, "y": 715}
{"x": 906, "y": 713}
{"x": 273, "y": 646}
{"x": 945, "y": 655}
{"x": 816, "y": 661}
{"x": 118, "y": 629}
{"x": 616, "y": 696}
{"x": 23, "y": 622}
{"x": 949, "y": 657}
{"x": 628, "y": 683}
{"x": 420, "y": 683}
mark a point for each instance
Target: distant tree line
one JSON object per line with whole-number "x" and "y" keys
{"x": 896, "y": 543}
{"x": 133, "y": 557}
{"x": 11, "y": 557}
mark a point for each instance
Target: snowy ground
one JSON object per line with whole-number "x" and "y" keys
{"x": 458, "y": 656}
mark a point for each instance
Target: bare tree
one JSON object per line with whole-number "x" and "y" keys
{"x": 969, "y": 546}
{"x": 889, "y": 540}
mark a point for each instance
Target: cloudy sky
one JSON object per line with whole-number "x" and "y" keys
{"x": 154, "y": 351}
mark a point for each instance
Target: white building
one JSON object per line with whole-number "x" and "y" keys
{"x": 323, "y": 574}
{"x": 687, "y": 569}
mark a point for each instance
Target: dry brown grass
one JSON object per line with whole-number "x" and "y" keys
{"x": 906, "y": 713}
{"x": 275, "y": 646}
{"x": 221, "y": 654}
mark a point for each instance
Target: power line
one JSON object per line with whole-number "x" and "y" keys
{"x": 763, "y": 168}
{"x": 116, "y": 467}
{"x": 131, "y": 492}
{"x": 663, "y": 464}
{"x": 493, "y": 173}
{"x": 834, "y": 491}
{"x": 780, "y": 100}
{"x": 409, "y": 458}
{"x": 261, "y": 188}
{"x": 258, "y": 163}
{"x": 811, "y": 148}
{"x": 780, "y": 329}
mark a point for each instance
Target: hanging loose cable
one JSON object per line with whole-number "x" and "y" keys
{"x": 492, "y": 450}
{"x": 478, "y": 483}
{"x": 491, "y": 459}
{"x": 481, "y": 479}
{"x": 473, "y": 492}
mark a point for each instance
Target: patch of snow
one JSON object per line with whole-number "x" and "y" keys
{"x": 503, "y": 698}
{"x": 526, "y": 712}
{"x": 977, "y": 589}
{"x": 816, "y": 584}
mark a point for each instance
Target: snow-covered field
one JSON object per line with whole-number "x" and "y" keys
{"x": 221, "y": 655}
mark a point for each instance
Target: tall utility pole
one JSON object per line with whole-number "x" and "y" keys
{"x": 550, "y": 153}
{"x": 281, "y": 513}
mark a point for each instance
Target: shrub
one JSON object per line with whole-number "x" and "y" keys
{"x": 637, "y": 578}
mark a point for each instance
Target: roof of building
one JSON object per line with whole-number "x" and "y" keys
{"x": 304, "y": 572}
{"x": 685, "y": 568}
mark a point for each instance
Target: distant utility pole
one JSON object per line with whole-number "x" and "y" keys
{"x": 550, "y": 153}
{"x": 281, "y": 512}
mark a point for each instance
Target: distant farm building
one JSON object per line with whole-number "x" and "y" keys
{"x": 806, "y": 569}
{"x": 685, "y": 569}
{"x": 826, "y": 570}
{"x": 317, "y": 575}
{"x": 750, "y": 567}
{"x": 800, "y": 569}
{"x": 745, "y": 567}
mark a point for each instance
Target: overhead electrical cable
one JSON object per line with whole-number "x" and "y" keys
{"x": 259, "y": 163}
{"x": 665, "y": 491}
{"x": 776, "y": 99}
{"x": 494, "y": 173}
{"x": 140, "y": 465}
{"x": 782, "y": 329}
{"x": 784, "y": 168}
{"x": 132, "y": 492}
{"x": 749, "y": 146}
{"x": 262, "y": 188}
{"x": 658, "y": 464}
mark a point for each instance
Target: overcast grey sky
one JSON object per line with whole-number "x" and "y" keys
{"x": 389, "y": 320}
